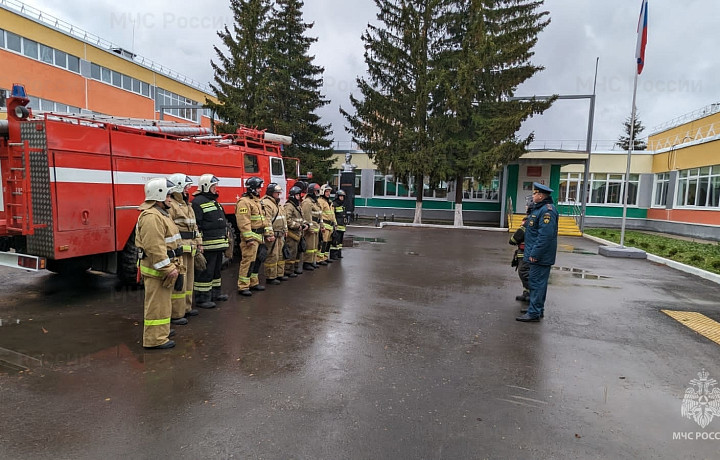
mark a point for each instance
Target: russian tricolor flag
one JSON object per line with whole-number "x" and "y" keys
{"x": 642, "y": 37}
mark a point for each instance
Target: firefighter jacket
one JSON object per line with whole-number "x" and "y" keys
{"x": 541, "y": 234}
{"x": 211, "y": 221}
{"x": 339, "y": 209}
{"x": 157, "y": 237}
{"x": 328, "y": 215}
{"x": 294, "y": 218}
{"x": 250, "y": 219}
{"x": 518, "y": 238}
{"x": 312, "y": 213}
{"x": 274, "y": 215}
{"x": 184, "y": 217}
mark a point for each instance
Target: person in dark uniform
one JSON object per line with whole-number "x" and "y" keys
{"x": 211, "y": 222}
{"x": 540, "y": 249}
{"x": 339, "y": 208}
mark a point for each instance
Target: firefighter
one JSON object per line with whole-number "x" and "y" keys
{"x": 340, "y": 218}
{"x": 312, "y": 213}
{"x": 212, "y": 224}
{"x": 296, "y": 227}
{"x": 275, "y": 218}
{"x": 184, "y": 217}
{"x": 522, "y": 267}
{"x": 254, "y": 233}
{"x": 158, "y": 241}
{"x": 329, "y": 224}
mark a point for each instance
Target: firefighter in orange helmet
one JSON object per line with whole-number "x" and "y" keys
{"x": 158, "y": 239}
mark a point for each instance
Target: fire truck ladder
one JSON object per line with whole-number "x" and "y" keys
{"x": 19, "y": 197}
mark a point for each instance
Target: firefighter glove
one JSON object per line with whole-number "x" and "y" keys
{"x": 169, "y": 280}
{"x": 200, "y": 262}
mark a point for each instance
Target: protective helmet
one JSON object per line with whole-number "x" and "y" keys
{"x": 325, "y": 188}
{"x": 294, "y": 191}
{"x": 313, "y": 189}
{"x": 340, "y": 193}
{"x": 254, "y": 184}
{"x": 206, "y": 181}
{"x": 302, "y": 185}
{"x": 157, "y": 189}
{"x": 181, "y": 181}
{"x": 272, "y": 187}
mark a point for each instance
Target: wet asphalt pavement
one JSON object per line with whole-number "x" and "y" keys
{"x": 406, "y": 349}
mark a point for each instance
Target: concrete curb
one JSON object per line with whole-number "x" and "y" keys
{"x": 465, "y": 227}
{"x": 670, "y": 263}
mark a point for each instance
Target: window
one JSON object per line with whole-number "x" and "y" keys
{"x": 46, "y": 54}
{"x": 117, "y": 79}
{"x": 60, "y": 59}
{"x": 106, "y": 75}
{"x": 476, "y": 191}
{"x": 73, "y": 63}
{"x": 127, "y": 82}
{"x": 145, "y": 89}
{"x": 14, "y": 42}
{"x": 276, "y": 167}
{"x": 47, "y": 106}
{"x": 30, "y": 48}
{"x": 2, "y": 38}
{"x": 609, "y": 188}
{"x": 95, "y": 72}
{"x": 135, "y": 85}
{"x": 661, "y": 188}
{"x": 570, "y": 188}
{"x": 251, "y": 164}
{"x": 699, "y": 187}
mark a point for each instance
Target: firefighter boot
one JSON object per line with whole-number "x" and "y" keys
{"x": 217, "y": 295}
{"x": 334, "y": 254}
{"x": 339, "y": 254}
{"x": 202, "y": 300}
{"x": 525, "y": 297}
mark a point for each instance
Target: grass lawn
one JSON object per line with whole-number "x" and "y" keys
{"x": 705, "y": 256}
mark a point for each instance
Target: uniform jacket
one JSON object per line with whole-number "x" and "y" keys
{"x": 155, "y": 234}
{"x": 211, "y": 221}
{"x": 312, "y": 213}
{"x": 328, "y": 215}
{"x": 250, "y": 218}
{"x": 339, "y": 209}
{"x": 184, "y": 217}
{"x": 518, "y": 239}
{"x": 294, "y": 219}
{"x": 274, "y": 215}
{"x": 541, "y": 233}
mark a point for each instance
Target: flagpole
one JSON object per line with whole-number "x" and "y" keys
{"x": 627, "y": 170}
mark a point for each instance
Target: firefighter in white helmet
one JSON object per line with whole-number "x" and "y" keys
{"x": 275, "y": 218}
{"x": 184, "y": 217}
{"x": 329, "y": 223}
{"x": 158, "y": 240}
{"x": 212, "y": 224}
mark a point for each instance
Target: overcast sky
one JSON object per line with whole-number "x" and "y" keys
{"x": 678, "y": 77}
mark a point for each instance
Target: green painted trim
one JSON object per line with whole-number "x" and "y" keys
{"x": 606, "y": 211}
{"x": 512, "y": 182}
{"x": 409, "y": 203}
{"x": 555, "y": 180}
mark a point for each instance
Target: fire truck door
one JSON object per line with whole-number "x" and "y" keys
{"x": 277, "y": 173}
{"x": 84, "y": 202}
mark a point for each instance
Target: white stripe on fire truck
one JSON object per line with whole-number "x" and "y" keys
{"x": 99, "y": 176}
{"x": 76, "y": 175}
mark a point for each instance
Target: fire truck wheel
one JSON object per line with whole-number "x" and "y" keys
{"x": 67, "y": 267}
{"x": 127, "y": 263}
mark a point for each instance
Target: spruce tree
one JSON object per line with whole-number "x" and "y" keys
{"x": 624, "y": 140}
{"x": 241, "y": 71}
{"x": 391, "y": 120}
{"x": 486, "y": 57}
{"x": 293, "y": 86}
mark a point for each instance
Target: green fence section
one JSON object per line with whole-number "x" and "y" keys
{"x": 409, "y": 203}
{"x": 605, "y": 211}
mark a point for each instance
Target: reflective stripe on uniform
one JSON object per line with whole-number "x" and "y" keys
{"x": 161, "y": 264}
{"x": 179, "y": 295}
{"x": 172, "y": 239}
{"x": 328, "y": 226}
{"x": 185, "y": 221}
{"x": 341, "y": 228}
{"x": 149, "y": 271}
{"x": 157, "y": 322}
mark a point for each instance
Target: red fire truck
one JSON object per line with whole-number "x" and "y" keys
{"x": 72, "y": 184}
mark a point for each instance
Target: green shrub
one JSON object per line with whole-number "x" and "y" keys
{"x": 661, "y": 247}
{"x": 603, "y": 233}
{"x": 715, "y": 264}
{"x": 631, "y": 240}
{"x": 696, "y": 258}
{"x": 672, "y": 251}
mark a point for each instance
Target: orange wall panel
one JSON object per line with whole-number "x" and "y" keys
{"x": 693, "y": 216}
{"x": 42, "y": 80}
{"x": 118, "y": 102}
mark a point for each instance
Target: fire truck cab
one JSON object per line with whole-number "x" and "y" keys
{"x": 72, "y": 184}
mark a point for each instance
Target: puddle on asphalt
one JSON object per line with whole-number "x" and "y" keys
{"x": 573, "y": 250}
{"x": 580, "y": 273}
